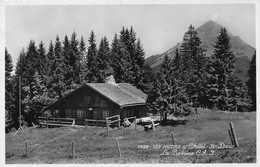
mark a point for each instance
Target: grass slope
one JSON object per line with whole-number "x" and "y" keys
{"x": 94, "y": 146}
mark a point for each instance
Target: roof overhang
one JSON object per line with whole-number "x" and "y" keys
{"x": 131, "y": 105}
{"x": 86, "y": 85}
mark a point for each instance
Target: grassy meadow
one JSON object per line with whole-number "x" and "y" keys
{"x": 203, "y": 139}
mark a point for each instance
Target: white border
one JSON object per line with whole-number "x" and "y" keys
{"x": 5, "y": 3}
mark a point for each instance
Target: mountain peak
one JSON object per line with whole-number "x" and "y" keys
{"x": 207, "y": 33}
{"x": 210, "y": 23}
{"x": 209, "y": 27}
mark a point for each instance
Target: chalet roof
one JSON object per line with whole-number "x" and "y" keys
{"x": 123, "y": 94}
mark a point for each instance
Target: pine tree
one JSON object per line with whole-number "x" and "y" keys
{"x": 72, "y": 66}
{"x": 66, "y": 50}
{"x": 75, "y": 59}
{"x": 188, "y": 54}
{"x": 32, "y": 57}
{"x": 68, "y": 60}
{"x": 20, "y": 71}
{"x": 124, "y": 37}
{"x": 120, "y": 63}
{"x": 223, "y": 86}
{"x": 29, "y": 62}
{"x": 240, "y": 99}
{"x": 38, "y": 101}
{"x": 127, "y": 55}
{"x": 138, "y": 64}
{"x": 140, "y": 54}
{"x": 73, "y": 50}
{"x": 57, "y": 72}
{"x": 251, "y": 83}
{"x": 133, "y": 42}
{"x": 146, "y": 81}
{"x": 50, "y": 58}
{"x": 103, "y": 60}
{"x": 167, "y": 92}
{"x": 193, "y": 65}
{"x": 27, "y": 68}
{"x": 9, "y": 86}
{"x": 8, "y": 65}
{"x": 83, "y": 61}
{"x": 42, "y": 60}
{"x": 177, "y": 63}
{"x": 92, "y": 75}
{"x": 77, "y": 55}
{"x": 82, "y": 48}
{"x": 153, "y": 95}
{"x": 115, "y": 63}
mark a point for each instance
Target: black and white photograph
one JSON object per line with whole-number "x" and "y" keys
{"x": 120, "y": 82}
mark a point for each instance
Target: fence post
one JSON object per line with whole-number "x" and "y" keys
{"x": 233, "y": 133}
{"x": 118, "y": 148}
{"x": 135, "y": 123}
{"x": 153, "y": 127}
{"x": 73, "y": 123}
{"x": 107, "y": 125}
{"x": 118, "y": 121}
{"x": 26, "y": 148}
{"x": 33, "y": 125}
{"x": 73, "y": 149}
{"x": 60, "y": 121}
{"x": 47, "y": 122}
{"x": 231, "y": 137}
{"x": 173, "y": 140}
{"x": 124, "y": 127}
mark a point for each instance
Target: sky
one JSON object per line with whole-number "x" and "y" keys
{"x": 159, "y": 27}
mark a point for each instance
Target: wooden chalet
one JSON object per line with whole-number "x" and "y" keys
{"x": 98, "y": 101}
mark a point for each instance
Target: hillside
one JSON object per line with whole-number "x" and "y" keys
{"x": 93, "y": 145}
{"x": 208, "y": 33}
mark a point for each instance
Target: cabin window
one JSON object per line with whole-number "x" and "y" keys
{"x": 79, "y": 113}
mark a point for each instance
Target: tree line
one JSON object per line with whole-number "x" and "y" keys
{"x": 48, "y": 74}
{"x": 192, "y": 79}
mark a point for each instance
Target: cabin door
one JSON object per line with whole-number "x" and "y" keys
{"x": 89, "y": 112}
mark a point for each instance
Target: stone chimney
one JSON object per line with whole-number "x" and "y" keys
{"x": 110, "y": 80}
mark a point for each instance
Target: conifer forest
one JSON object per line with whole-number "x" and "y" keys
{"x": 48, "y": 72}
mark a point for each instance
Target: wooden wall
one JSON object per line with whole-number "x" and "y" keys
{"x": 138, "y": 111}
{"x": 90, "y": 103}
